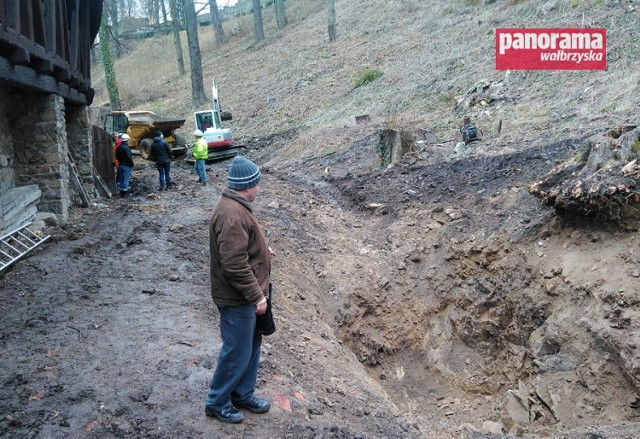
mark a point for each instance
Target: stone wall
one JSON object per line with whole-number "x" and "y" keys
{"x": 40, "y": 139}
{"x": 80, "y": 145}
{"x": 7, "y": 174}
{"x": 37, "y": 135}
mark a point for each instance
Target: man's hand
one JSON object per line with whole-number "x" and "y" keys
{"x": 261, "y": 307}
{"x": 272, "y": 253}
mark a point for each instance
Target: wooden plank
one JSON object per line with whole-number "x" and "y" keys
{"x": 24, "y": 216}
{"x": 52, "y": 38}
{"x": 3, "y": 15}
{"x": 19, "y": 197}
{"x": 12, "y": 11}
{"x": 11, "y": 38}
{"x": 26, "y": 20}
{"x": 84, "y": 44}
{"x": 39, "y": 35}
{"x": 26, "y": 75}
{"x": 18, "y": 206}
{"x": 20, "y": 56}
{"x": 63, "y": 30}
{"x": 43, "y": 66}
{"x": 74, "y": 32}
{"x": 49, "y": 20}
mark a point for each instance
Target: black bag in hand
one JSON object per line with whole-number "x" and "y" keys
{"x": 264, "y": 323}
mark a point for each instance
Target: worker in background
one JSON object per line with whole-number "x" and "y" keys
{"x": 115, "y": 137}
{"x": 116, "y": 142}
{"x": 470, "y": 133}
{"x": 161, "y": 154}
{"x": 125, "y": 165}
{"x": 200, "y": 154}
{"x": 206, "y": 123}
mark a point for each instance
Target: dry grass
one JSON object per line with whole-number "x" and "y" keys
{"x": 429, "y": 54}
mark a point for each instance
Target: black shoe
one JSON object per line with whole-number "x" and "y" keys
{"x": 225, "y": 414}
{"x": 204, "y": 183}
{"x": 160, "y": 189}
{"x": 254, "y": 404}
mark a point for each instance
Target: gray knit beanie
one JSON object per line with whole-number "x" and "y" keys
{"x": 243, "y": 174}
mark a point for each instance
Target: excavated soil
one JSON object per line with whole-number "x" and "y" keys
{"x": 419, "y": 301}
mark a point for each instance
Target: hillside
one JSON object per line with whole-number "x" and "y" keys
{"x": 431, "y": 55}
{"x": 434, "y": 298}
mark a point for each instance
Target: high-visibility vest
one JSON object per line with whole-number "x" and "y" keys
{"x": 201, "y": 149}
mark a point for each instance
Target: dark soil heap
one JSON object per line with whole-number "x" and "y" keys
{"x": 602, "y": 180}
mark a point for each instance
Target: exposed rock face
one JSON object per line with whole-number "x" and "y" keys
{"x": 601, "y": 180}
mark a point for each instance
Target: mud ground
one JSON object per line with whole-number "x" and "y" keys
{"x": 409, "y": 302}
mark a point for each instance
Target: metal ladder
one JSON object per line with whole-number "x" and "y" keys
{"x": 100, "y": 181}
{"x": 18, "y": 243}
{"x": 77, "y": 181}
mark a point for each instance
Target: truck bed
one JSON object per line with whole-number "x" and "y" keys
{"x": 153, "y": 120}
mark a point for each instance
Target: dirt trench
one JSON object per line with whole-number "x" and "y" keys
{"x": 460, "y": 293}
{"x": 418, "y": 301}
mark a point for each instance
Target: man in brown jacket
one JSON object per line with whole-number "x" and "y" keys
{"x": 240, "y": 263}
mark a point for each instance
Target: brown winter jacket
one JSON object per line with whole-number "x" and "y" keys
{"x": 240, "y": 261}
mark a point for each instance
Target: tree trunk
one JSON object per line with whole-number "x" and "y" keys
{"x": 216, "y": 22}
{"x": 176, "y": 36}
{"x": 258, "y": 29}
{"x": 107, "y": 62}
{"x": 112, "y": 6}
{"x": 164, "y": 11}
{"x": 156, "y": 12}
{"x": 331, "y": 15}
{"x": 281, "y": 17}
{"x": 198, "y": 96}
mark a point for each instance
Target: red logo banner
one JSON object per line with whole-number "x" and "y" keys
{"x": 551, "y": 49}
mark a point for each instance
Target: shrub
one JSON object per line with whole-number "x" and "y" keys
{"x": 367, "y": 76}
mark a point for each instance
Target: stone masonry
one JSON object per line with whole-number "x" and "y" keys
{"x": 40, "y": 139}
{"x": 37, "y": 132}
{"x": 7, "y": 174}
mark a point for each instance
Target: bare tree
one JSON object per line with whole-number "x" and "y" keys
{"x": 152, "y": 9}
{"x": 331, "y": 20}
{"x": 198, "y": 96}
{"x": 216, "y": 22}
{"x": 258, "y": 29}
{"x": 111, "y": 6}
{"x": 155, "y": 7}
{"x": 164, "y": 11}
{"x": 281, "y": 17}
{"x": 175, "y": 21}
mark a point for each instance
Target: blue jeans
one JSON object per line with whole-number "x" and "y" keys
{"x": 199, "y": 167}
{"x": 236, "y": 373}
{"x": 124, "y": 174}
{"x": 164, "y": 169}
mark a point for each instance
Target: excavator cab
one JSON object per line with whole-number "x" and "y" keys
{"x": 219, "y": 139}
{"x": 210, "y": 123}
{"x": 116, "y": 123}
{"x": 208, "y": 120}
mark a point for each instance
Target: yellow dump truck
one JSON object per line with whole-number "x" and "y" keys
{"x": 141, "y": 125}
